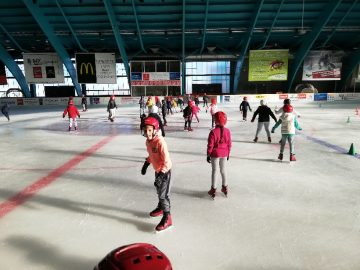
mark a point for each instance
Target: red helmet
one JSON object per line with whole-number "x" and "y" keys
{"x": 135, "y": 257}
{"x": 71, "y": 102}
{"x": 213, "y": 101}
{"x": 220, "y": 118}
{"x": 288, "y": 108}
{"x": 151, "y": 121}
{"x": 112, "y": 97}
{"x": 191, "y": 103}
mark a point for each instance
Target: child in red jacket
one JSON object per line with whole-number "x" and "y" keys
{"x": 218, "y": 149}
{"x": 73, "y": 112}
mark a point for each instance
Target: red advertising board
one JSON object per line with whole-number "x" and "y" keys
{"x": 301, "y": 96}
{"x": 283, "y": 96}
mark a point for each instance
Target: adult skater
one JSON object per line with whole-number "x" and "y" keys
{"x": 72, "y": 111}
{"x": 288, "y": 123}
{"x": 244, "y": 105}
{"x": 264, "y": 113}
{"x": 111, "y": 108}
{"x": 218, "y": 149}
{"x": 160, "y": 159}
{"x": 5, "y": 111}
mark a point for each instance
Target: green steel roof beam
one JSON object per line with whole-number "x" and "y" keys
{"x": 348, "y": 69}
{"x": 70, "y": 27}
{"x": 272, "y": 25}
{"x": 6, "y": 58}
{"x": 12, "y": 39}
{"x": 245, "y": 44}
{"x": 119, "y": 41}
{"x": 54, "y": 41}
{"x": 339, "y": 24}
{"x": 205, "y": 25}
{"x": 310, "y": 39}
{"x": 183, "y": 65}
{"x": 138, "y": 26}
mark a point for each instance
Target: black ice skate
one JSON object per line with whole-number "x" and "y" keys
{"x": 280, "y": 157}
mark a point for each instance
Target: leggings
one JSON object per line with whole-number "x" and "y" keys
{"x": 214, "y": 164}
{"x": 260, "y": 126}
{"x": 291, "y": 139}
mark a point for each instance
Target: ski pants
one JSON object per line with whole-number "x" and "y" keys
{"x": 112, "y": 113}
{"x": 291, "y": 140}
{"x": 188, "y": 122}
{"x": 163, "y": 185}
{"x": 244, "y": 114}
{"x": 71, "y": 121}
{"x": 214, "y": 164}
{"x": 260, "y": 126}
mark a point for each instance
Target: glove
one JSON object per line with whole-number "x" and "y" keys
{"x": 79, "y": 116}
{"x": 208, "y": 159}
{"x": 144, "y": 167}
{"x": 273, "y": 130}
{"x": 252, "y": 120}
{"x": 228, "y": 157}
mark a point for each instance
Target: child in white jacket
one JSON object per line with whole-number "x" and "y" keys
{"x": 288, "y": 123}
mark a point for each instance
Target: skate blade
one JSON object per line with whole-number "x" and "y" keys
{"x": 168, "y": 228}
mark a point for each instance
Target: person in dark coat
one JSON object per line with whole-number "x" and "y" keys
{"x": 264, "y": 113}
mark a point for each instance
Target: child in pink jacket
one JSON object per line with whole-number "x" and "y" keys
{"x": 218, "y": 149}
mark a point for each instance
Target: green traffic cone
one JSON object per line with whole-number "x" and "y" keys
{"x": 348, "y": 121}
{"x": 352, "y": 150}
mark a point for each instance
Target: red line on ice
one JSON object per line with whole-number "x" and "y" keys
{"x": 31, "y": 190}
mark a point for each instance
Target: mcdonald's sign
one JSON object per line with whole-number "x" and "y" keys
{"x": 86, "y": 68}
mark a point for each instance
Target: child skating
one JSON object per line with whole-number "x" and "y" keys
{"x": 195, "y": 110}
{"x": 111, "y": 108}
{"x": 160, "y": 159}
{"x": 213, "y": 109}
{"x": 84, "y": 103}
{"x": 288, "y": 123}
{"x": 264, "y": 113}
{"x": 187, "y": 114}
{"x": 244, "y": 105}
{"x": 73, "y": 112}
{"x": 218, "y": 151}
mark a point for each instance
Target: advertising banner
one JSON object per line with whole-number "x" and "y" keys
{"x": 43, "y": 68}
{"x": 155, "y": 79}
{"x": 99, "y": 68}
{"x": 268, "y": 65}
{"x": 322, "y": 66}
{"x": 320, "y": 96}
{"x": 2, "y": 74}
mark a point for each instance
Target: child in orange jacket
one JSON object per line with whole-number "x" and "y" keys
{"x": 160, "y": 159}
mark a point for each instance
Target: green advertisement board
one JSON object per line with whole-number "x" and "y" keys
{"x": 268, "y": 65}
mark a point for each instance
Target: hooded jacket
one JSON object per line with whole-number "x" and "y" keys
{"x": 219, "y": 146}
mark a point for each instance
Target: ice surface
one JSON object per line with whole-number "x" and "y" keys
{"x": 278, "y": 216}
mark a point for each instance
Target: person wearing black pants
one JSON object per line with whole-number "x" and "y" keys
{"x": 187, "y": 114}
{"x": 163, "y": 111}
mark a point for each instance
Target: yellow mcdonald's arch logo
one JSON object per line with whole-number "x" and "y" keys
{"x": 87, "y": 66}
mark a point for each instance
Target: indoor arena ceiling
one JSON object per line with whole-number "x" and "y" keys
{"x": 169, "y": 28}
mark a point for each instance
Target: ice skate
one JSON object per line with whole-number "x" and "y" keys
{"x": 292, "y": 157}
{"x": 280, "y": 157}
{"x": 185, "y": 129}
{"x": 156, "y": 212}
{"x": 165, "y": 223}
{"x": 269, "y": 139}
{"x": 190, "y": 129}
{"x": 224, "y": 189}
{"x": 212, "y": 192}
{"x": 75, "y": 128}
{"x": 69, "y": 129}
{"x": 256, "y": 139}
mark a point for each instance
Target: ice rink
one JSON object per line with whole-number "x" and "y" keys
{"x": 67, "y": 199}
